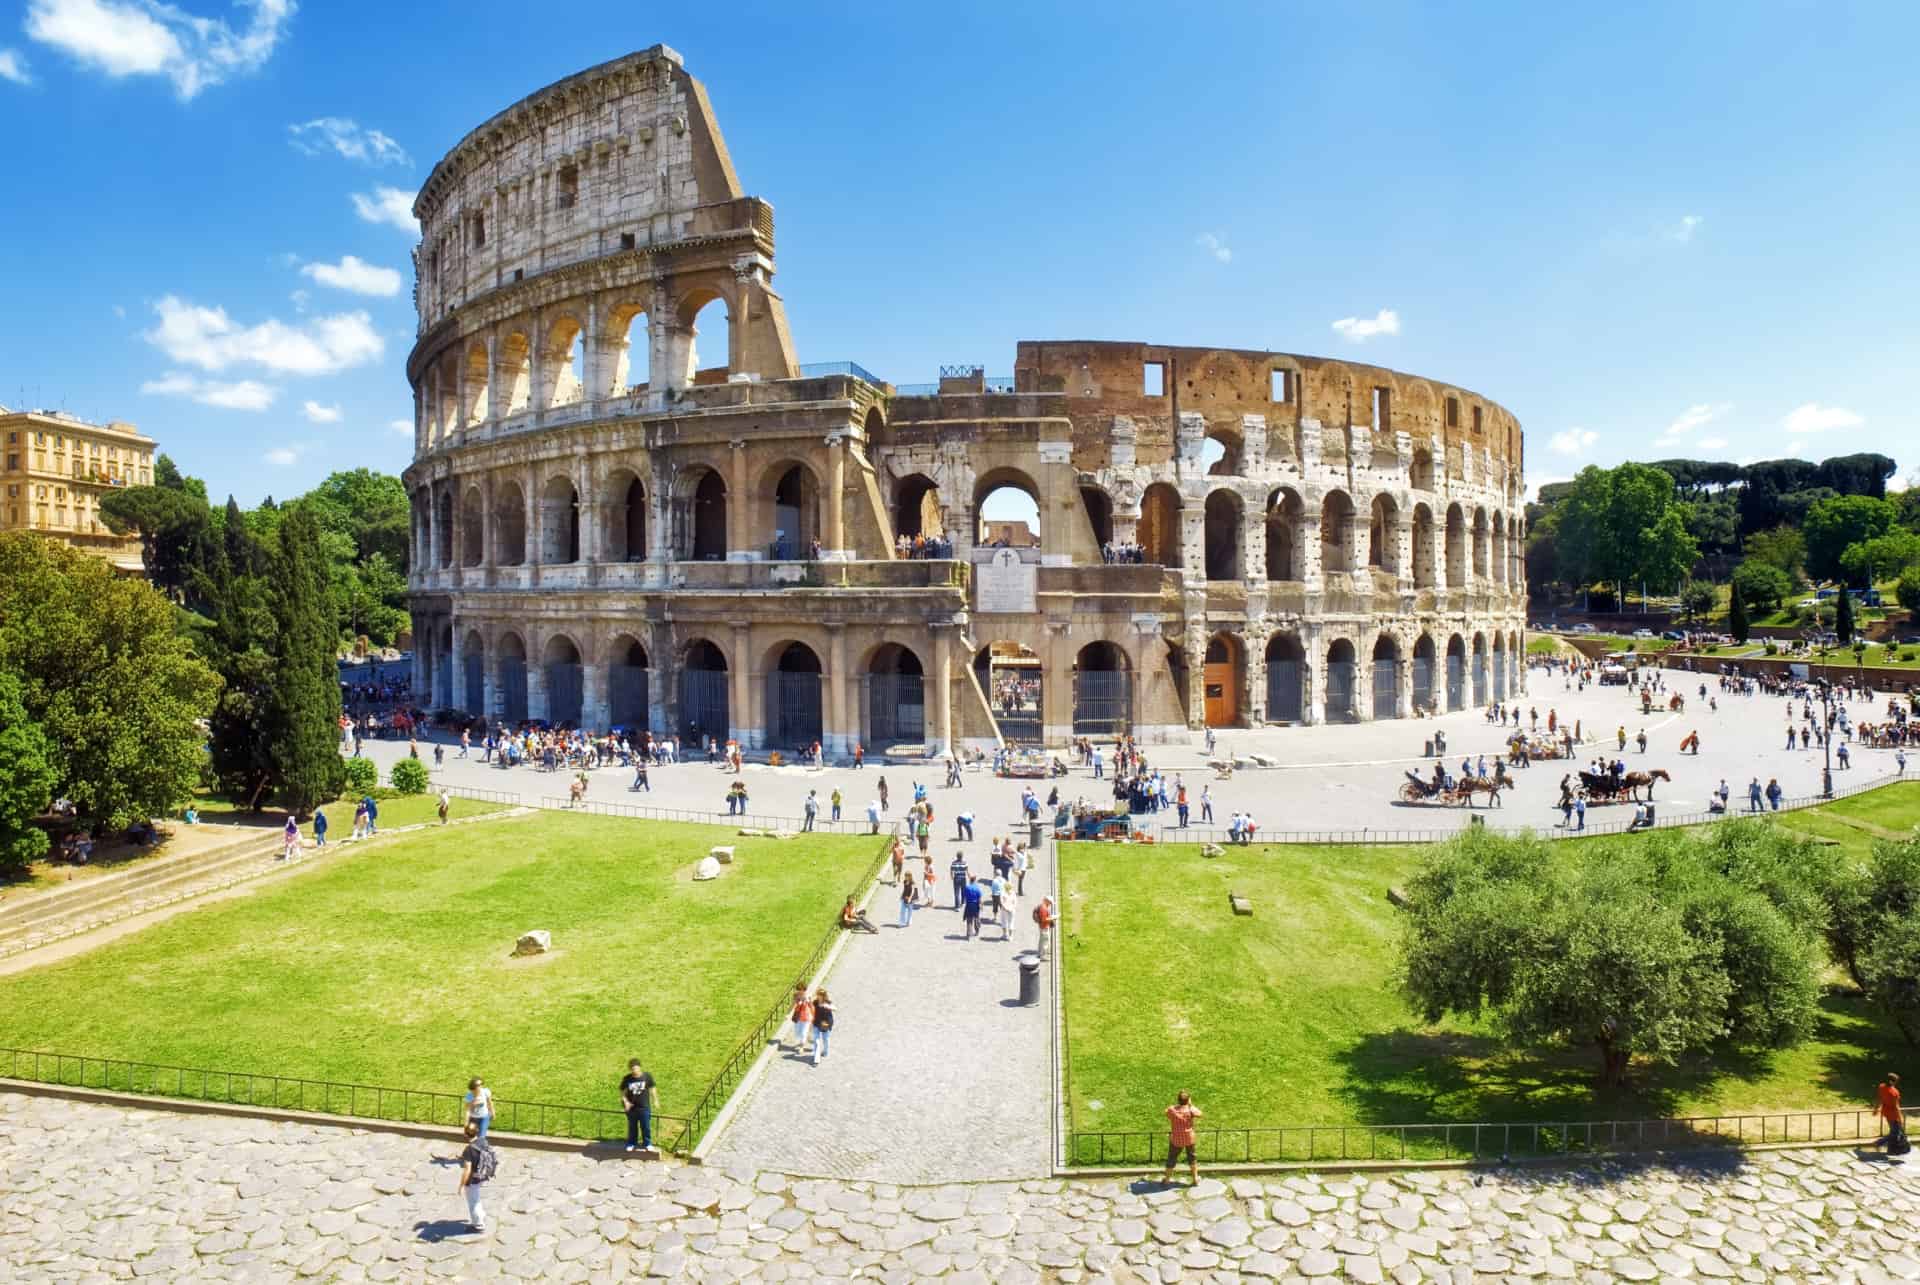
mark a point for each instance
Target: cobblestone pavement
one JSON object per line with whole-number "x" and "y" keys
{"x": 1334, "y": 777}
{"x": 935, "y": 1073}
{"x": 98, "y": 1193}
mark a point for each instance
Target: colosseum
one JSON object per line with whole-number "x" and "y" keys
{"x": 632, "y": 505}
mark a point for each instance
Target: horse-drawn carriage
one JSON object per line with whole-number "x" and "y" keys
{"x": 1605, "y": 787}
{"x": 1417, "y": 789}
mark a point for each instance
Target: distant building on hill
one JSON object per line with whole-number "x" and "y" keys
{"x": 57, "y": 468}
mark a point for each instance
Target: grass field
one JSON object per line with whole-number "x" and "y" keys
{"x": 391, "y": 965}
{"x": 1291, "y": 1016}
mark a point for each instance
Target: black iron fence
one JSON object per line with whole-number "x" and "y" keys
{"x": 849, "y": 823}
{"x": 324, "y": 1097}
{"x": 1322, "y": 1144}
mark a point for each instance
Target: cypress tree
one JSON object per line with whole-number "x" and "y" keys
{"x": 1737, "y": 623}
{"x": 1843, "y": 617}
{"x": 305, "y": 735}
{"x": 243, "y": 628}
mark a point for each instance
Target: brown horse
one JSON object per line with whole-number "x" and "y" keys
{"x": 1643, "y": 780}
{"x": 1468, "y": 786}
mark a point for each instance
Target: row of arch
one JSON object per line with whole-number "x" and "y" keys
{"x": 1397, "y": 682}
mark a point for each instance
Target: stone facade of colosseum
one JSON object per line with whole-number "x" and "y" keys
{"x": 621, "y": 519}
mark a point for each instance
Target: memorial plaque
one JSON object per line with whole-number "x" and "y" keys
{"x": 1004, "y": 584}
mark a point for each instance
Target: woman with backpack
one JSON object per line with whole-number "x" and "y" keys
{"x": 478, "y": 1164}
{"x": 822, "y": 1023}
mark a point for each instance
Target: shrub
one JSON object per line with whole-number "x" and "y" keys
{"x": 1773, "y": 649}
{"x": 409, "y": 776}
{"x": 362, "y": 776}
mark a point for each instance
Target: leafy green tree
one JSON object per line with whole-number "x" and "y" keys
{"x": 409, "y": 776}
{"x": 166, "y": 473}
{"x": 1761, "y": 584}
{"x": 102, "y": 673}
{"x": 1885, "y": 557}
{"x": 27, "y": 778}
{"x": 1908, "y": 591}
{"x": 1833, "y": 525}
{"x": 1697, "y": 597}
{"x": 1890, "y": 973}
{"x": 175, "y": 530}
{"x": 1862, "y": 474}
{"x": 1737, "y": 622}
{"x": 1843, "y": 616}
{"x": 305, "y": 752}
{"x": 241, "y": 645}
{"x": 1623, "y": 526}
{"x": 1783, "y": 547}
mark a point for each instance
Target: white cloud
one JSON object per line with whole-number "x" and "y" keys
{"x": 1693, "y": 417}
{"x": 13, "y": 67}
{"x": 1214, "y": 246}
{"x": 1815, "y": 418}
{"x": 1711, "y": 444}
{"x": 355, "y": 275}
{"x": 1533, "y": 487}
{"x": 403, "y": 426}
{"x": 148, "y": 38}
{"x": 282, "y": 456}
{"x": 318, "y": 414}
{"x": 346, "y": 138}
{"x": 1573, "y": 441}
{"x": 1361, "y": 329}
{"x": 389, "y": 206}
{"x": 1683, "y": 230}
{"x": 209, "y": 339}
{"x": 245, "y": 394}
{"x": 300, "y": 300}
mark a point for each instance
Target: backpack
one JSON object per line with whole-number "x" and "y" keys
{"x": 485, "y": 1165}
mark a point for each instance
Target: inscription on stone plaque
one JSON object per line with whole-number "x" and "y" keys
{"x": 1004, "y": 584}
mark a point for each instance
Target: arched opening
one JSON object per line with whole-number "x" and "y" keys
{"x": 1102, "y": 691}
{"x": 1383, "y": 535}
{"x": 1499, "y": 664}
{"x": 443, "y": 526}
{"x": 1479, "y": 669}
{"x": 700, "y": 519}
{"x": 515, "y": 365}
{"x": 1008, "y": 505}
{"x": 1098, "y": 506}
{"x": 633, "y": 358}
{"x": 1286, "y": 512}
{"x": 1456, "y": 547}
{"x": 1340, "y": 683}
{"x": 795, "y": 497}
{"x": 566, "y": 681}
{"x": 1422, "y": 547}
{"x": 793, "y": 697}
{"x": 559, "y": 522}
{"x": 1013, "y": 680}
{"x": 1220, "y": 455}
{"x": 627, "y": 684}
{"x": 1497, "y": 555}
{"x": 1223, "y": 524}
{"x": 916, "y": 508}
{"x": 896, "y": 697}
{"x": 1336, "y": 533}
{"x": 1421, "y": 475}
{"x": 1222, "y": 677}
{"x": 709, "y": 326}
{"x": 703, "y": 693}
{"x": 449, "y": 411}
{"x": 626, "y": 538}
{"x": 509, "y": 525}
{"x": 1159, "y": 529}
{"x": 563, "y": 360}
{"x": 1456, "y": 673}
{"x": 1479, "y": 546}
{"x": 472, "y": 537}
{"x": 1285, "y": 678}
{"x": 1386, "y": 678}
{"x": 473, "y": 664}
{"x": 1423, "y": 676}
{"x": 512, "y": 680}
{"x": 474, "y": 385}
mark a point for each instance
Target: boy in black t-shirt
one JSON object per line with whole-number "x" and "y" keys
{"x": 639, "y": 1097}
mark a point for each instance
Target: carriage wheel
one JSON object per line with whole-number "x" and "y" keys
{"x": 1410, "y": 794}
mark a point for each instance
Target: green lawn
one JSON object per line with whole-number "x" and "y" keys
{"x": 391, "y": 965}
{"x": 1291, "y": 1016}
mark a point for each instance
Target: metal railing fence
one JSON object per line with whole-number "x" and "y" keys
{"x": 855, "y": 824}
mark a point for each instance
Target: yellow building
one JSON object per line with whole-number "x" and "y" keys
{"x": 56, "y": 469}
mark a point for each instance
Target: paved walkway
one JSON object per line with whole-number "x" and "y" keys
{"x": 935, "y": 1072}
{"x": 99, "y": 1193}
{"x": 1335, "y": 777}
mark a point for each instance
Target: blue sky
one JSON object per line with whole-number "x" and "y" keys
{"x": 1648, "y": 230}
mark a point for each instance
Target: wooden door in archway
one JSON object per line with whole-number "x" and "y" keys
{"x": 1220, "y": 679}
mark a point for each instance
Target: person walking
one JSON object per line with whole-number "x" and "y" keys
{"x": 478, "y": 1105}
{"x": 1206, "y": 805}
{"x": 1580, "y": 813}
{"x": 1753, "y": 795}
{"x": 882, "y": 791}
{"x": 812, "y": 809}
{"x": 373, "y": 815}
{"x": 1180, "y": 802}
{"x": 1009, "y": 902}
{"x": 319, "y": 828}
{"x": 1020, "y": 863}
{"x": 640, "y": 779}
{"x": 466, "y": 743}
{"x": 802, "y": 1019}
{"x": 1887, "y": 1107}
{"x": 478, "y": 1165}
{"x": 1043, "y": 918}
{"x": 970, "y": 908}
{"x": 907, "y": 894}
{"x": 1180, "y": 1118}
{"x": 873, "y": 816}
{"x": 822, "y": 1024}
{"x": 444, "y": 805}
{"x": 359, "y": 820}
{"x": 1774, "y": 792}
{"x": 898, "y": 858}
{"x": 639, "y": 1096}
{"x": 290, "y": 839}
{"x": 834, "y": 801}
{"x": 859, "y": 756}
{"x": 957, "y": 872}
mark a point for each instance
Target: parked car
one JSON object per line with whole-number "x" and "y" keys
{"x": 1911, "y": 640}
{"x": 1581, "y": 629}
{"x": 1674, "y": 635}
{"x": 1643, "y": 633}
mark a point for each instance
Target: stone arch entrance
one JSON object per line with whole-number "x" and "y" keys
{"x": 511, "y": 685}
{"x": 627, "y": 684}
{"x": 896, "y": 697}
{"x": 1159, "y": 527}
{"x": 1102, "y": 691}
{"x": 916, "y": 507}
{"x": 1423, "y": 675}
{"x": 1222, "y": 677}
{"x": 1479, "y": 669}
{"x": 793, "y": 696}
{"x": 1386, "y": 677}
{"x": 565, "y": 681}
{"x": 473, "y": 663}
{"x": 626, "y": 528}
{"x": 1224, "y": 522}
{"x": 1341, "y": 675}
{"x": 559, "y": 522}
{"x": 794, "y": 494}
{"x": 1286, "y": 686}
{"x": 1014, "y": 681}
{"x": 1456, "y": 673}
{"x": 703, "y": 693}
{"x": 1286, "y": 515}
{"x": 700, "y": 519}
{"x": 1007, "y": 510}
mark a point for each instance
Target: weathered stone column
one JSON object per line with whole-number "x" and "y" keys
{"x": 457, "y": 669}
{"x": 422, "y": 671}
{"x": 1308, "y": 552}
{"x": 740, "y": 545}
{"x": 836, "y": 496}
{"x": 943, "y": 689}
{"x": 1313, "y": 669}
{"x": 594, "y": 714}
{"x": 740, "y": 702}
{"x": 536, "y": 686}
{"x": 1056, "y": 687}
{"x": 663, "y": 682}
{"x": 841, "y": 731}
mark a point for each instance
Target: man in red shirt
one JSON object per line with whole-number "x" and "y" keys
{"x": 1887, "y": 1107}
{"x": 1180, "y": 1118}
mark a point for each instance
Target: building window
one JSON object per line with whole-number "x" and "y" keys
{"x": 1453, "y": 412}
{"x": 13, "y": 463}
{"x": 1280, "y": 385}
{"x": 1477, "y": 426}
{"x": 1382, "y": 410}
{"x": 569, "y": 187}
{"x": 479, "y": 230}
{"x": 1153, "y": 379}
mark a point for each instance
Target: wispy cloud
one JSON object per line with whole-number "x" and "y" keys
{"x": 13, "y": 67}
{"x": 1573, "y": 441}
{"x": 1711, "y": 444}
{"x": 402, "y": 426}
{"x": 1683, "y": 231}
{"x": 1214, "y": 246}
{"x": 389, "y": 206}
{"x": 245, "y": 394}
{"x": 1361, "y": 329}
{"x": 208, "y": 338}
{"x": 1695, "y": 416}
{"x": 355, "y": 275}
{"x": 1533, "y": 487}
{"x": 346, "y": 138}
{"x": 284, "y": 456}
{"x": 1815, "y": 418}
{"x": 147, "y": 38}
{"x": 318, "y": 414}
